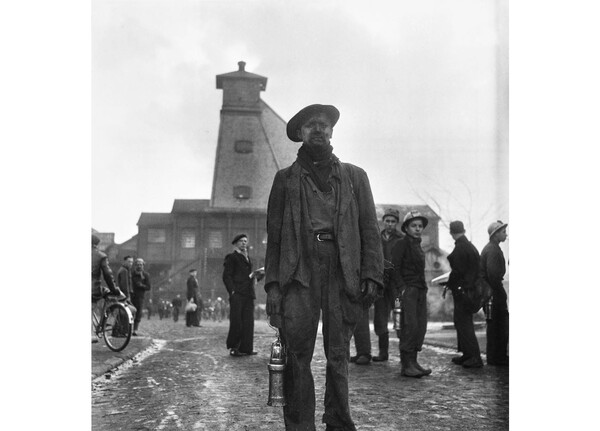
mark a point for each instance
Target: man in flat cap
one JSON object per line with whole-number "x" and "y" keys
{"x": 239, "y": 282}
{"x": 384, "y": 304}
{"x": 492, "y": 267}
{"x": 324, "y": 256}
{"x": 464, "y": 262}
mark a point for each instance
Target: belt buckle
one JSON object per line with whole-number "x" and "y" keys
{"x": 319, "y": 238}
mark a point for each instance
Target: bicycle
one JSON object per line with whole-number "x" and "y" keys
{"x": 115, "y": 323}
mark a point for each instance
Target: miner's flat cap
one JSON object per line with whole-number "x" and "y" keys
{"x": 294, "y": 125}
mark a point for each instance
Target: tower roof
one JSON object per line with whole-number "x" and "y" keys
{"x": 241, "y": 74}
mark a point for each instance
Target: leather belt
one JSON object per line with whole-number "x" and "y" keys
{"x": 324, "y": 236}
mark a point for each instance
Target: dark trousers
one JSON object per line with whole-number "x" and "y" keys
{"x": 175, "y": 314}
{"x": 191, "y": 318}
{"x": 362, "y": 335}
{"x": 137, "y": 299}
{"x": 465, "y": 331}
{"x": 414, "y": 319}
{"x": 241, "y": 324}
{"x": 497, "y": 331}
{"x": 301, "y": 309}
{"x": 383, "y": 307}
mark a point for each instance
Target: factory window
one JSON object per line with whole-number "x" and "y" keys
{"x": 244, "y": 147}
{"x": 242, "y": 192}
{"x": 157, "y": 236}
{"x": 188, "y": 238}
{"x": 215, "y": 239}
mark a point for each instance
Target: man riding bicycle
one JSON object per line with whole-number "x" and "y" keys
{"x": 101, "y": 269}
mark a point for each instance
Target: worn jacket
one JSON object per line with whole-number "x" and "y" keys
{"x": 291, "y": 238}
{"x": 492, "y": 267}
{"x": 236, "y": 275}
{"x": 140, "y": 282}
{"x": 101, "y": 270}
{"x": 464, "y": 261}
{"x": 192, "y": 289}
{"x": 388, "y": 244}
{"x": 408, "y": 259}
{"x": 124, "y": 280}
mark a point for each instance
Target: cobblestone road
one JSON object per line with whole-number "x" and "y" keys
{"x": 188, "y": 381}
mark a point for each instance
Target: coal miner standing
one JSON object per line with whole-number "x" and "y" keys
{"x": 492, "y": 269}
{"x": 384, "y": 304}
{"x": 238, "y": 278}
{"x": 323, "y": 256}
{"x": 409, "y": 284}
{"x": 464, "y": 262}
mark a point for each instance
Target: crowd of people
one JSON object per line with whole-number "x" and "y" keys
{"x": 132, "y": 281}
{"x": 327, "y": 260}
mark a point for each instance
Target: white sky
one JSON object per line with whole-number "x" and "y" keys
{"x": 414, "y": 82}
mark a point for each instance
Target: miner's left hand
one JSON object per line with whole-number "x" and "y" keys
{"x": 370, "y": 292}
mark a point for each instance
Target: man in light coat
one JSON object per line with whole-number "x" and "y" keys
{"x": 324, "y": 255}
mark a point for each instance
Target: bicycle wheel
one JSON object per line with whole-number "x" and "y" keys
{"x": 117, "y": 327}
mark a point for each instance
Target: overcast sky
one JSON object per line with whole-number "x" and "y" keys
{"x": 415, "y": 82}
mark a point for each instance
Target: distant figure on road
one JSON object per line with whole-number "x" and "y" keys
{"x": 323, "y": 256}
{"x": 176, "y": 302}
{"x": 140, "y": 281}
{"x": 192, "y": 318}
{"x": 409, "y": 283}
{"x": 464, "y": 262}
{"x": 238, "y": 278}
{"x": 493, "y": 268}
{"x": 219, "y": 309}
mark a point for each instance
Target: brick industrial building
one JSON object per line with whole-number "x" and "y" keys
{"x": 252, "y": 146}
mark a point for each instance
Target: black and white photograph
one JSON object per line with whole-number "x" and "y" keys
{"x": 214, "y": 154}
{"x": 300, "y": 219}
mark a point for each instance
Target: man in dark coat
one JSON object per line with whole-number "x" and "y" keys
{"x": 408, "y": 279}
{"x": 140, "y": 281}
{"x": 239, "y": 282}
{"x": 383, "y": 305}
{"x": 492, "y": 269}
{"x": 464, "y": 262}
{"x": 176, "y": 302}
{"x": 124, "y": 276}
{"x": 192, "y": 318}
{"x": 100, "y": 270}
{"x": 124, "y": 283}
{"x": 323, "y": 255}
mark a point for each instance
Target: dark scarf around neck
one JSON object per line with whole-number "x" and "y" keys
{"x": 317, "y": 160}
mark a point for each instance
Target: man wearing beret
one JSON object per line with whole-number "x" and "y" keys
{"x": 464, "y": 262}
{"x": 324, "y": 257}
{"x": 239, "y": 282}
{"x": 492, "y": 268}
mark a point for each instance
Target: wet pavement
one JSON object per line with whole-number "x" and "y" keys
{"x": 184, "y": 379}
